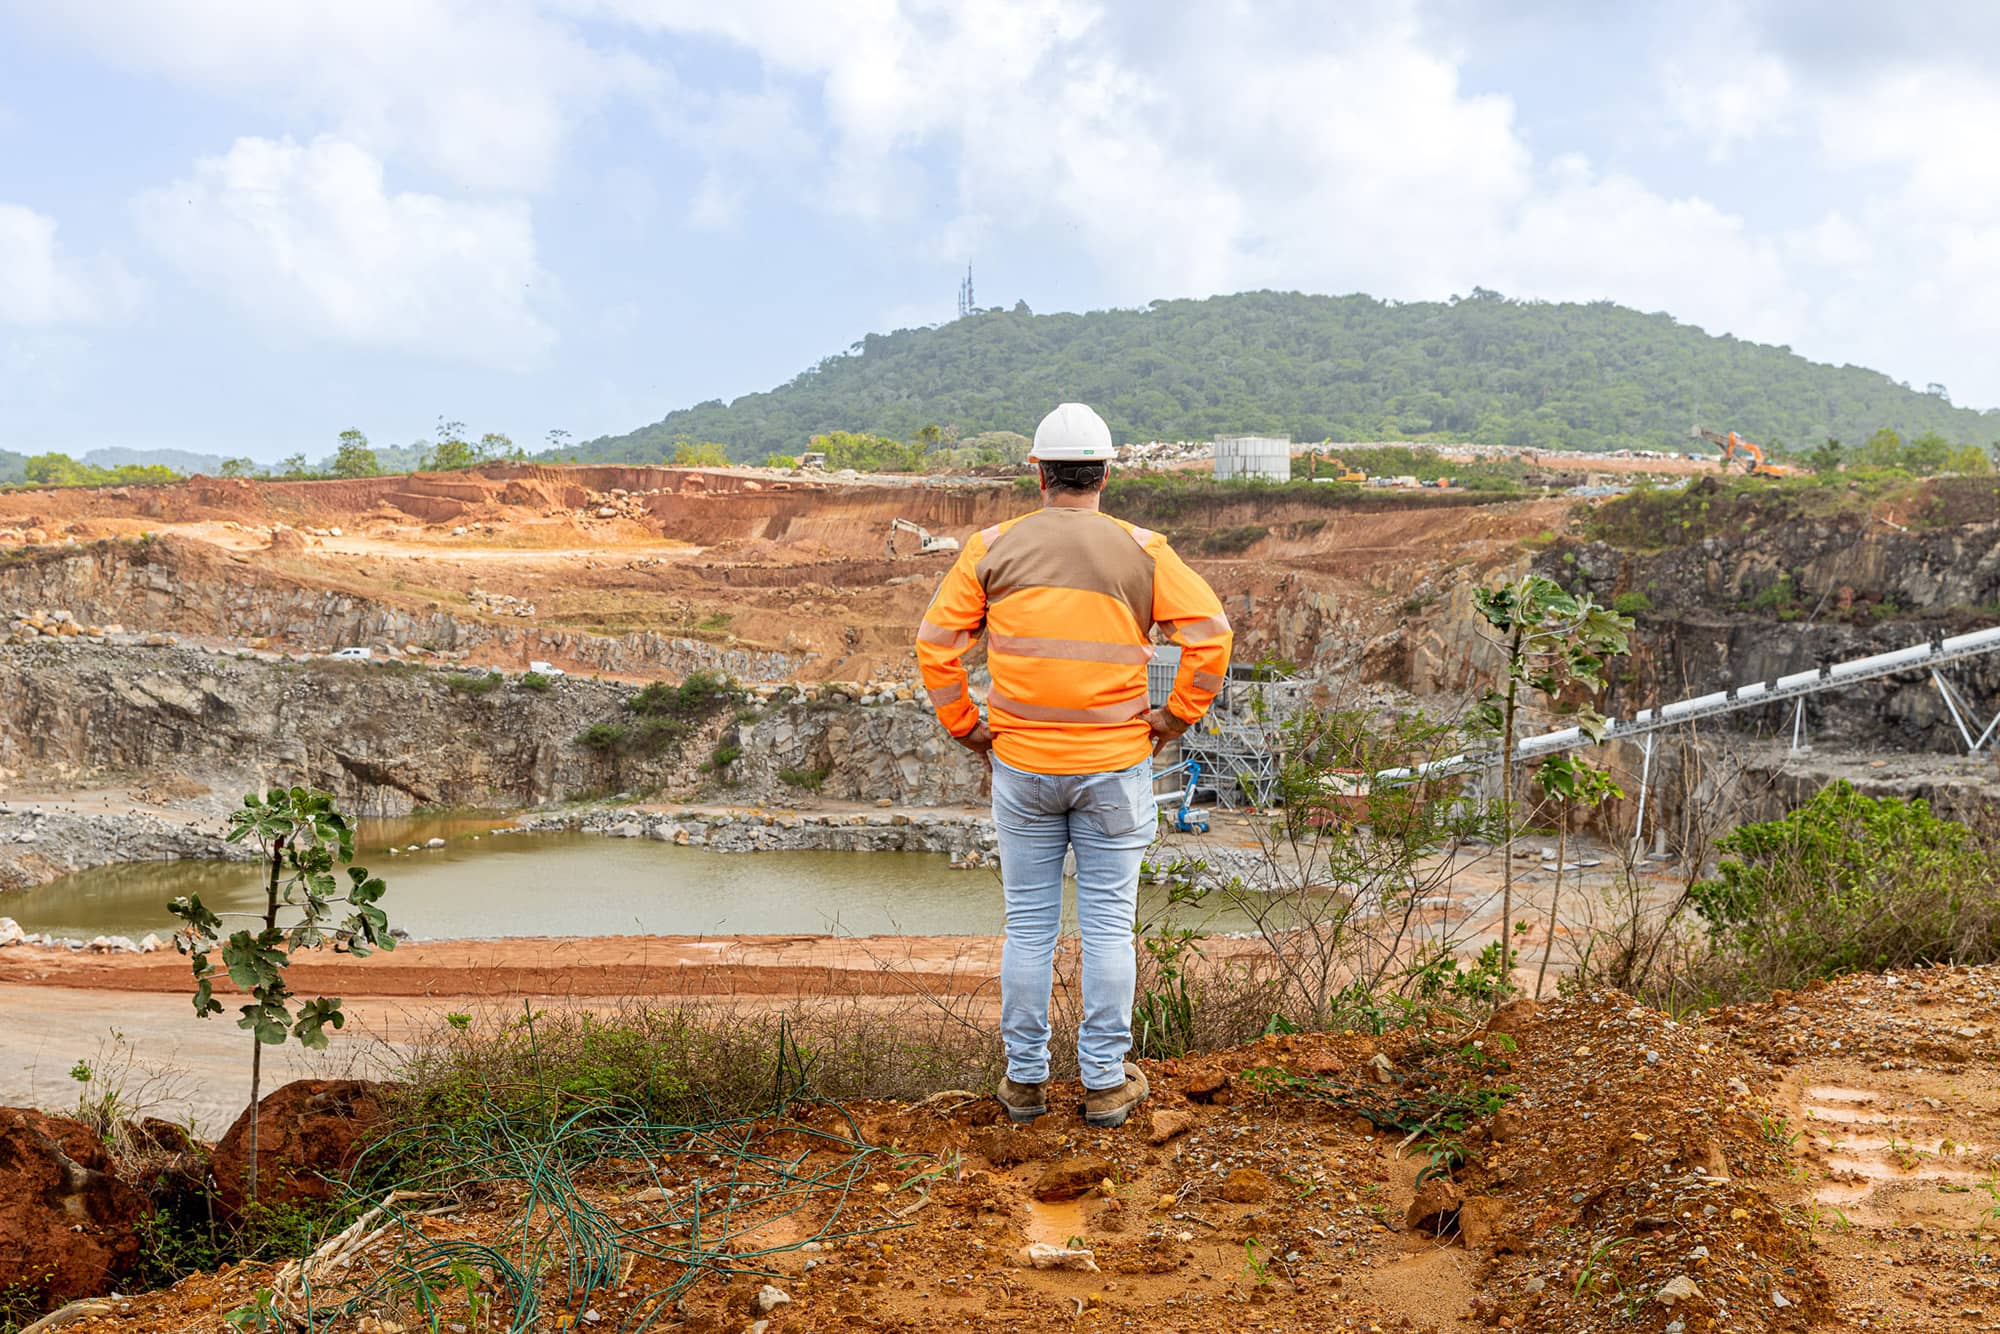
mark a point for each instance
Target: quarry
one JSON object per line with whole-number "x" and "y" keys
{"x": 653, "y": 737}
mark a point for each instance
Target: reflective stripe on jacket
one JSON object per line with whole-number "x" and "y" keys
{"x": 1067, "y": 599}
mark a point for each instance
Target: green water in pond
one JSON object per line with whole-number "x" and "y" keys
{"x": 480, "y": 885}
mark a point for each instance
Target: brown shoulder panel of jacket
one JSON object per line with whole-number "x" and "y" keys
{"x": 1071, "y": 548}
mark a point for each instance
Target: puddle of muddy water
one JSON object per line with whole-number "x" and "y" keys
{"x": 1879, "y": 1170}
{"x": 482, "y": 886}
{"x": 1846, "y": 1116}
{"x": 1055, "y": 1224}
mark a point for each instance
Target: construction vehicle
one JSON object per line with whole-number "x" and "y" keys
{"x": 812, "y": 460}
{"x": 1341, "y": 472}
{"x": 1733, "y": 444}
{"x": 1186, "y": 818}
{"x": 927, "y": 544}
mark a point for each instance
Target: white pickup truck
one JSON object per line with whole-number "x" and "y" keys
{"x": 545, "y": 669}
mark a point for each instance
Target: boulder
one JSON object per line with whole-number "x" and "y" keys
{"x": 309, "y": 1133}
{"x": 1246, "y": 1185}
{"x": 68, "y": 1226}
{"x": 1436, "y": 1207}
{"x": 1070, "y": 1178}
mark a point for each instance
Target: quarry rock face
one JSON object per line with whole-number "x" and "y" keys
{"x": 383, "y": 741}
{"x": 174, "y": 584}
{"x": 895, "y": 751}
{"x": 67, "y": 1223}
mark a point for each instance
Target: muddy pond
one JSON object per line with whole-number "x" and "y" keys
{"x": 482, "y": 885}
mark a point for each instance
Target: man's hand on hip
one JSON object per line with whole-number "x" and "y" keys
{"x": 1165, "y": 727}
{"x": 979, "y": 741}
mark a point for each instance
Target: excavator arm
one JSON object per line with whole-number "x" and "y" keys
{"x": 1732, "y": 445}
{"x": 927, "y": 542}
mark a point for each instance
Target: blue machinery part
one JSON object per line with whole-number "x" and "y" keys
{"x": 1186, "y": 818}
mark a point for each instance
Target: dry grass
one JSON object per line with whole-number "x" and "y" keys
{"x": 692, "y": 1061}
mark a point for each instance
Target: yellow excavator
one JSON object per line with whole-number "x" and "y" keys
{"x": 927, "y": 543}
{"x": 1732, "y": 445}
{"x": 1341, "y": 472}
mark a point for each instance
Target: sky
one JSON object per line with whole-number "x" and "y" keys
{"x": 240, "y": 227}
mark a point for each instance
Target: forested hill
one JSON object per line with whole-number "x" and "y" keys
{"x": 1482, "y": 368}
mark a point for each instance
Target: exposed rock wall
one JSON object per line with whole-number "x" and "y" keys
{"x": 895, "y": 751}
{"x": 386, "y": 740}
{"x": 186, "y": 588}
{"x": 1713, "y": 622}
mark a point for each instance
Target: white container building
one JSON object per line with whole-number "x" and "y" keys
{"x": 1243, "y": 458}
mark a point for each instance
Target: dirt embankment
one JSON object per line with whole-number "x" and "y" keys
{"x": 1592, "y": 1166}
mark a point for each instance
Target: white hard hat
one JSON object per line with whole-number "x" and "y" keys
{"x": 1073, "y": 434}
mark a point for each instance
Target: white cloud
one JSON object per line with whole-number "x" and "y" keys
{"x": 1934, "y": 127}
{"x": 1718, "y": 85}
{"x": 1210, "y": 148}
{"x": 1833, "y": 240}
{"x": 41, "y": 284}
{"x": 482, "y": 90}
{"x": 1581, "y": 238}
{"x": 308, "y": 237}
{"x": 1891, "y": 114}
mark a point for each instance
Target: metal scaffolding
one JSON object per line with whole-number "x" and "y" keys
{"x": 1240, "y": 763}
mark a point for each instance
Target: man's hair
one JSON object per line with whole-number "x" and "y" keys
{"x": 1068, "y": 476}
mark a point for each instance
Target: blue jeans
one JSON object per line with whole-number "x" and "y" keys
{"x": 1109, "y": 819}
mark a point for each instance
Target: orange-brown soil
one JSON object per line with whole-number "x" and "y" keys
{"x": 1818, "y": 1163}
{"x": 742, "y": 558}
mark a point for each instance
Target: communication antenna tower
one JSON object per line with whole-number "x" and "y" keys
{"x": 965, "y": 305}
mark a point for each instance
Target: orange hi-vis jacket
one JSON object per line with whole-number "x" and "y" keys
{"x": 1067, "y": 599}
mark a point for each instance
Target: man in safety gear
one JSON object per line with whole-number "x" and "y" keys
{"x": 1068, "y": 598}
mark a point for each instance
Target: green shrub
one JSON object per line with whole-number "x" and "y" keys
{"x": 810, "y": 780}
{"x": 472, "y": 683}
{"x": 604, "y": 736}
{"x": 647, "y": 736}
{"x": 722, "y": 757}
{"x": 1783, "y": 593}
{"x": 536, "y": 682}
{"x": 1848, "y": 882}
{"x": 1631, "y": 603}
{"x": 691, "y": 697}
{"x": 1229, "y": 541}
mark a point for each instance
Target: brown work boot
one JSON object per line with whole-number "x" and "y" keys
{"x": 1024, "y": 1102}
{"x": 1108, "y": 1108}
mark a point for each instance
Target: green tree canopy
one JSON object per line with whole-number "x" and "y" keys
{"x": 354, "y": 458}
{"x": 1480, "y": 368}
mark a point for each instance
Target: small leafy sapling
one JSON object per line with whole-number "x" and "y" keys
{"x": 303, "y": 837}
{"x": 1569, "y": 781}
{"x": 1554, "y": 643}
